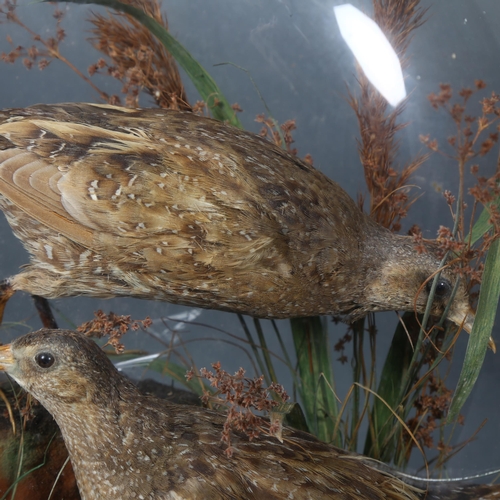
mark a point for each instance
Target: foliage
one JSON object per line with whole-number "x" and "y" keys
{"x": 240, "y": 395}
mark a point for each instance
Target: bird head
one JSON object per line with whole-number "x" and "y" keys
{"x": 58, "y": 367}
{"x": 403, "y": 280}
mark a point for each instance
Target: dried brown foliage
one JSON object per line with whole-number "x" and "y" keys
{"x": 398, "y": 20}
{"x": 112, "y": 325}
{"x": 242, "y": 395}
{"x": 378, "y": 147}
{"x": 341, "y": 345}
{"x": 20, "y": 401}
{"x": 475, "y": 138}
{"x": 432, "y": 402}
{"x": 135, "y": 56}
{"x": 138, "y": 59}
{"x": 281, "y": 135}
{"x": 431, "y": 407}
{"x": 44, "y": 49}
{"x": 278, "y": 134}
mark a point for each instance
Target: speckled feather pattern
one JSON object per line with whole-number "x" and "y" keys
{"x": 166, "y": 205}
{"x": 124, "y": 445}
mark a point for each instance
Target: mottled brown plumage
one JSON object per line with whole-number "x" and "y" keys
{"x": 125, "y": 445}
{"x": 167, "y": 205}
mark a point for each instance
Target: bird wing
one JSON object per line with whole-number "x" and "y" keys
{"x": 30, "y": 183}
{"x": 102, "y": 175}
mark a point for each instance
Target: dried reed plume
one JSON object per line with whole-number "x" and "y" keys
{"x": 138, "y": 59}
{"x": 378, "y": 146}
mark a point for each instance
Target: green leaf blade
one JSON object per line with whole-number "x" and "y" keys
{"x": 201, "y": 79}
{"x": 481, "y": 331}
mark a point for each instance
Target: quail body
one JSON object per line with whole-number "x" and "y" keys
{"x": 125, "y": 445}
{"x": 166, "y": 205}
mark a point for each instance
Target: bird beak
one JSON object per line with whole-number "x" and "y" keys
{"x": 6, "y": 358}
{"x": 467, "y": 323}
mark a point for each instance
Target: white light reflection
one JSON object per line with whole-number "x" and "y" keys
{"x": 182, "y": 319}
{"x": 372, "y": 50}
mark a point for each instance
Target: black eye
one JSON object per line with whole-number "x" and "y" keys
{"x": 443, "y": 287}
{"x": 45, "y": 359}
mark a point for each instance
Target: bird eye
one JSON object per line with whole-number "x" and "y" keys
{"x": 45, "y": 359}
{"x": 443, "y": 287}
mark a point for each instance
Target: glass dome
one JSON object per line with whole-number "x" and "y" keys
{"x": 287, "y": 59}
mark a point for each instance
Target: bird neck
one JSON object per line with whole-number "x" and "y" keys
{"x": 348, "y": 270}
{"x": 395, "y": 273}
{"x": 94, "y": 436}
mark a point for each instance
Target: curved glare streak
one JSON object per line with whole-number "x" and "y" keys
{"x": 372, "y": 50}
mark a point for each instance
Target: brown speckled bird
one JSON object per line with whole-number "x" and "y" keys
{"x": 160, "y": 204}
{"x": 125, "y": 445}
